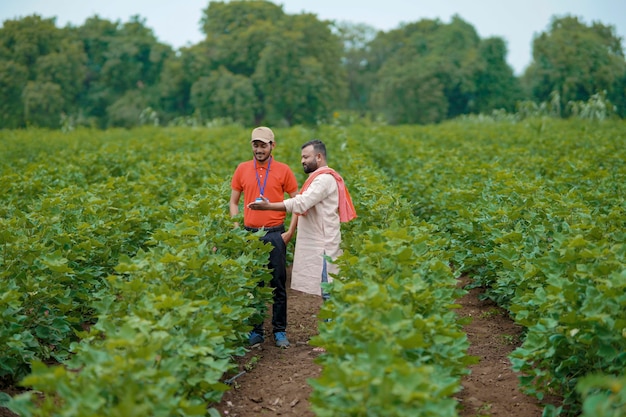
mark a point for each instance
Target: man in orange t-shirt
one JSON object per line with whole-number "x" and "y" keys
{"x": 265, "y": 177}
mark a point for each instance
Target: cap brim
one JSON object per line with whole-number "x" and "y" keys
{"x": 260, "y": 140}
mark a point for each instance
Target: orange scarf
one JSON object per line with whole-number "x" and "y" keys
{"x": 346, "y": 208}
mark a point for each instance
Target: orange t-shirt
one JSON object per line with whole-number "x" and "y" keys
{"x": 280, "y": 180}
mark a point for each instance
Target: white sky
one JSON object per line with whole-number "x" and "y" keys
{"x": 178, "y": 22}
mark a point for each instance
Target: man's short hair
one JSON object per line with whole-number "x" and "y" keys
{"x": 318, "y": 146}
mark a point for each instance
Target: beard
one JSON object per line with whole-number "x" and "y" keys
{"x": 308, "y": 168}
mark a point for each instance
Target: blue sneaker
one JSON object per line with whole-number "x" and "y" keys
{"x": 254, "y": 338}
{"x": 281, "y": 340}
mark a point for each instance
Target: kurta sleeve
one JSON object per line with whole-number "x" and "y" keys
{"x": 320, "y": 188}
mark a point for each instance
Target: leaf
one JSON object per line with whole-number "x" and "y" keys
{"x": 169, "y": 258}
{"x": 57, "y": 263}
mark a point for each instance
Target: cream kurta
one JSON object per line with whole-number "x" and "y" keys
{"x": 319, "y": 233}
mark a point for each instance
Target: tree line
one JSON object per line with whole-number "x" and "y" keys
{"x": 258, "y": 64}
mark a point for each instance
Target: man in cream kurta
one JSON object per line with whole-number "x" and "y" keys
{"x": 322, "y": 204}
{"x": 318, "y": 234}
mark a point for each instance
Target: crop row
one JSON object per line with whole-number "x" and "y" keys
{"x": 535, "y": 213}
{"x": 394, "y": 344}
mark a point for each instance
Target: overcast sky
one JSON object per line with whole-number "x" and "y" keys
{"x": 178, "y": 22}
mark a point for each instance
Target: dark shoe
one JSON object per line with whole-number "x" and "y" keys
{"x": 254, "y": 339}
{"x": 281, "y": 339}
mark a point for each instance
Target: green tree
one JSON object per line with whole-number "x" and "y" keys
{"x": 134, "y": 57}
{"x": 13, "y": 79}
{"x": 174, "y": 88}
{"x": 238, "y": 31}
{"x": 180, "y": 73}
{"x": 66, "y": 68}
{"x": 25, "y": 40}
{"x": 355, "y": 61}
{"x": 24, "y": 44}
{"x": 43, "y": 104}
{"x": 183, "y": 71}
{"x": 411, "y": 93}
{"x": 225, "y": 95}
{"x": 455, "y": 47}
{"x": 576, "y": 61}
{"x": 299, "y": 78}
{"x": 618, "y": 96}
{"x": 96, "y": 35}
{"x": 126, "y": 110}
{"x": 496, "y": 85}
{"x": 292, "y": 61}
{"x": 442, "y": 58}
{"x": 124, "y": 61}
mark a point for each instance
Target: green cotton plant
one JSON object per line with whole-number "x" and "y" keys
{"x": 602, "y": 395}
{"x": 58, "y": 255}
{"x": 575, "y": 321}
{"x": 19, "y": 345}
{"x": 374, "y": 381}
{"x": 393, "y": 345}
{"x": 169, "y": 327}
{"x": 73, "y": 205}
{"x": 123, "y": 375}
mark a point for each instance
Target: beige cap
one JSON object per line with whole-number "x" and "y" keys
{"x": 264, "y": 134}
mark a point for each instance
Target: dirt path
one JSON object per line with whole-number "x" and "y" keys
{"x": 275, "y": 380}
{"x": 492, "y": 387}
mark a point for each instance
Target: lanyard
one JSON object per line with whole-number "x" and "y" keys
{"x": 267, "y": 174}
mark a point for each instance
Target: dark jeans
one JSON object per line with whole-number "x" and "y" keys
{"x": 277, "y": 263}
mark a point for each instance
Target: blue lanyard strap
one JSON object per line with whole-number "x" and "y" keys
{"x": 267, "y": 174}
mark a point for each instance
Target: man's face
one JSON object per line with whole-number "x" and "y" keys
{"x": 309, "y": 159}
{"x": 261, "y": 150}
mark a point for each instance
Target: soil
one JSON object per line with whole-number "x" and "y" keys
{"x": 492, "y": 388}
{"x": 273, "y": 381}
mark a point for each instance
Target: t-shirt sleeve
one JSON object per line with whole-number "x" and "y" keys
{"x": 235, "y": 183}
{"x": 291, "y": 184}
